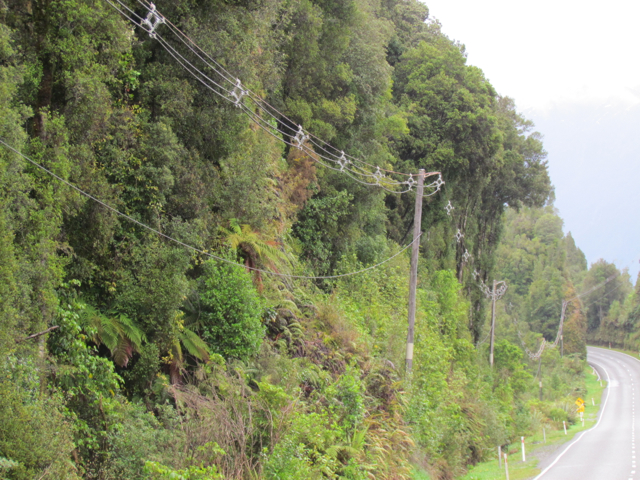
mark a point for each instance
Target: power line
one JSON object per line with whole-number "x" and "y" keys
{"x": 488, "y": 293}
{"x": 236, "y": 92}
{"x": 190, "y": 247}
{"x": 565, "y": 304}
{"x": 261, "y": 103}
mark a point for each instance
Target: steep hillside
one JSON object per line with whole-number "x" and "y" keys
{"x": 206, "y": 209}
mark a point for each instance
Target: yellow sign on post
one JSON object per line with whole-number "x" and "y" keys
{"x": 580, "y": 402}
{"x": 580, "y": 409}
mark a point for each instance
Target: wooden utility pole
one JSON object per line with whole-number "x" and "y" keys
{"x": 413, "y": 278}
{"x": 561, "y": 332}
{"x": 493, "y": 320}
{"x": 540, "y": 384}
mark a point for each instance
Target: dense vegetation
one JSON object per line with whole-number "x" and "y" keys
{"x": 125, "y": 355}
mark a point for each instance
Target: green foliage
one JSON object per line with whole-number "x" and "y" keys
{"x": 231, "y": 311}
{"x": 309, "y": 450}
{"x": 347, "y": 393}
{"x": 79, "y": 369}
{"x": 159, "y": 354}
{"x": 321, "y": 225}
{"x": 118, "y": 333}
{"x": 35, "y": 437}
{"x": 601, "y": 300}
{"x": 132, "y": 437}
{"x": 157, "y": 471}
{"x": 151, "y": 290}
{"x": 508, "y": 362}
{"x": 535, "y": 261}
{"x": 140, "y": 379}
{"x": 6, "y": 464}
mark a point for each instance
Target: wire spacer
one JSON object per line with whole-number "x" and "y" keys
{"x": 411, "y": 182}
{"x": 300, "y": 137}
{"x": 378, "y": 175}
{"x": 238, "y": 92}
{"x": 343, "y": 161}
{"x": 449, "y": 208}
{"x": 152, "y": 20}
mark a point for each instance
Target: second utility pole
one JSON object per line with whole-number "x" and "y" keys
{"x": 413, "y": 278}
{"x": 493, "y": 320}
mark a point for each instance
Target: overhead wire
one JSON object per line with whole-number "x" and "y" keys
{"x": 565, "y": 304}
{"x": 485, "y": 339}
{"x": 191, "y": 247}
{"x": 260, "y": 123}
{"x": 259, "y": 101}
{"x": 488, "y": 293}
{"x": 344, "y": 160}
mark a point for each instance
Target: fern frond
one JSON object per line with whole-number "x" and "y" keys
{"x": 194, "y": 344}
{"x": 131, "y": 330}
{"x": 123, "y": 352}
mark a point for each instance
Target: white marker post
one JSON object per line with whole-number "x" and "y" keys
{"x": 564, "y": 424}
{"x": 524, "y": 459}
{"x": 592, "y": 402}
{"x": 544, "y": 434}
{"x": 500, "y": 455}
{"x": 506, "y": 466}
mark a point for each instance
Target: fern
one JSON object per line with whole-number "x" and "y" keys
{"x": 119, "y": 333}
{"x": 194, "y": 344}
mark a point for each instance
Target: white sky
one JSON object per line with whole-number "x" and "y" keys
{"x": 549, "y": 50}
{"x": 573, "y": 67}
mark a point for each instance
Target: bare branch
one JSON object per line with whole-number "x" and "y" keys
{"x": 39, "y": 334}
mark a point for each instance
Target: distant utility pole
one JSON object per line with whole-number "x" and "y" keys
{"x": 561, "y": 329}
{"x": 494, "y": 295}
{"x": 413, "y": 278}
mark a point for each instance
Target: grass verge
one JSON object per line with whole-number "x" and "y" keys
{"x": 535, "y": 446}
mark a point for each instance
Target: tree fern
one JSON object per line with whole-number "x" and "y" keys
{"x": 194, "y": 344}
{"x": 254, "y": 249}
{"x": 119, "y": 333}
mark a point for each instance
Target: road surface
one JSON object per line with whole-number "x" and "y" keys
{"x": 607, "y": 451}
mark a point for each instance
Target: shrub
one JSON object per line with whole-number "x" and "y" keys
{"x": 558, "y": 415}
{"x": 231, "y": 311}
{"x": 35, "y": 439}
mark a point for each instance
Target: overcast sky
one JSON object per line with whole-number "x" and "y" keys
{"x": 574, "y": 69}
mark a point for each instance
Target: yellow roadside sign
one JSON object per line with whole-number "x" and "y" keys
{"x": 580, "y": 409}
{"x": 580, "y": 402}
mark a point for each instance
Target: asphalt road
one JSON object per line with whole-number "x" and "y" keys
{"x": 607, "y": 451}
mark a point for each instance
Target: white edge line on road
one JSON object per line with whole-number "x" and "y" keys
{"x": 586, "y": 431}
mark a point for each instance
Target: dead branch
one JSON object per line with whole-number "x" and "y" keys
{"x": 39, "y": 334}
